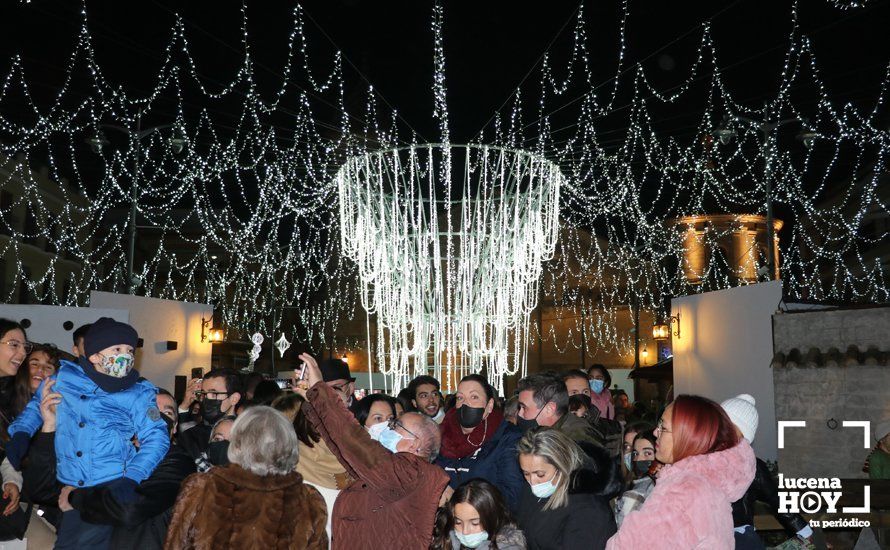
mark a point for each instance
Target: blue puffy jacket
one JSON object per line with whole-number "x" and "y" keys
{"x": 94, "y": 429}
{"x": 495, "y": 461}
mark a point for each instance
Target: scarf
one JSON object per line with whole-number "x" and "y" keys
{"x": 456, "y": 444}
{"x": 108, "y": 383}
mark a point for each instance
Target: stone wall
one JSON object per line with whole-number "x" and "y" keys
{"x": 830, "y": 365}
{"x": 839, "y": 328}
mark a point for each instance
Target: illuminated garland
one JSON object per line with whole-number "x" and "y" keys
{"x": 244, "y": 213}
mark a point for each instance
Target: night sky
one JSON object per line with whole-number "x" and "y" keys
{"x": 490, "y": 47}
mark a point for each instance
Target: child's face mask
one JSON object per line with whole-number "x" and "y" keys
{"x": 117, "y": 365}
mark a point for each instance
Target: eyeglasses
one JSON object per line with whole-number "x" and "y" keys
{"x": 394, "y": 423}
{"x": 214, "y": 395}
{"x": 341, "y": 387}
{"x": 16, "y": 345}
{"x": 660, "y": 427}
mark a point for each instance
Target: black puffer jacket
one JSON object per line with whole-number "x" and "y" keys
{"x": 764, "y": 489}
{"x": 139, "y": 524}
{"x": 586, "y": 522}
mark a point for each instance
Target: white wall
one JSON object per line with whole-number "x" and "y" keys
{"x": 620, "y": 379}
{"x": 725, "y": 348}
{"x": 158, "y": 321}
{"x": 47, "y": 321}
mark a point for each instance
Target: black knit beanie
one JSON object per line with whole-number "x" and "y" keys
{"x": 107, "y": 332}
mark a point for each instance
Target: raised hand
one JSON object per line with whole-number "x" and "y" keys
{"x": 49, "y": 400}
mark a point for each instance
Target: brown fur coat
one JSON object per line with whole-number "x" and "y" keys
{"x": 230, "y": 507}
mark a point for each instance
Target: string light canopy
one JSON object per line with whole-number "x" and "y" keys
{"x": 450, "y": 268}
{"x": 239, "y": 202}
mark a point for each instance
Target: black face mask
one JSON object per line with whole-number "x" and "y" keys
{"x": 530, "y": 424}
{"x": 470, "y": 417}
{"x": 171, "y": 424}
{"x": 218, "y": 453}
{"x": 641, "y": 467}
{"x": 211, "y": 410}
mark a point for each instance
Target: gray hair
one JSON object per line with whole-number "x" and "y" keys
{"x": 559, "y": 451}
{"x": 428, "y": 432}
{"x": 264, "y": 442}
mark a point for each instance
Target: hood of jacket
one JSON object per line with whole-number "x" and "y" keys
{"x": 599, "y": 476}
{"x": 731, "y": 470}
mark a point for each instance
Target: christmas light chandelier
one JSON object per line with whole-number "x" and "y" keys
{"x": 449, "y": 242}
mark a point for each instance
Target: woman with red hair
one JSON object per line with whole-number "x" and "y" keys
{"x": 707, "y": 468}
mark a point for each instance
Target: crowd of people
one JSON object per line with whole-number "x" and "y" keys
{"x": 111, "y": 461}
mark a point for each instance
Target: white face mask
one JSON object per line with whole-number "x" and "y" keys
{"x": 377, "y": 429}
{"x": 473, "y": 540}
{"x": 545, "y": 489}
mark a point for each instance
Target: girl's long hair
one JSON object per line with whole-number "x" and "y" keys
{"x": 22, "y": 392}
{"x": 488, "y": 502}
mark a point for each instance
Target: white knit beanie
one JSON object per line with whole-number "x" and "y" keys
{"x": 882, "y": 430}
{"x": 743, "y": 413}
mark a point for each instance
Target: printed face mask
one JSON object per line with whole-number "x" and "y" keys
{"x": 117, "y": 365}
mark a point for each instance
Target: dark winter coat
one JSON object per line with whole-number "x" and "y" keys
{"x": 140, "y": 524}
{"x": 230, "y": 507}
{"x": 764, "y": 489}
{"x": 393, "y": 502}
{"x": 196, "y": 439}
{"x": 495, "y": 461}
{"x": 586, "y": 521}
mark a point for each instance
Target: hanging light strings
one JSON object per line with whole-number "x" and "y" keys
{"x": 238, "y": 207}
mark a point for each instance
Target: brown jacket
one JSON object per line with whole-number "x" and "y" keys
{"x": 230, "y": 507}
{"x": 394, "y": 500}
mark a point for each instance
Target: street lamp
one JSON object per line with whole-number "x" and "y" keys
{"x": 98, "y": 141}
{"x": 662, "y": 331}
{"x": 725, "y": 134}
{"x": 215, "y": 335}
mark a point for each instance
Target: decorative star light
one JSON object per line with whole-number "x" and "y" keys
{"x": 282, "y": 344}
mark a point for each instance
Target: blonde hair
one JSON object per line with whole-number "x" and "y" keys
{"x": 558, "y": 450}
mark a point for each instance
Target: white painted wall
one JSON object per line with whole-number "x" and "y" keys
{"x": 157, "y": 321}
{"x": 620, "y": 379}
{"x": 725, "y": 348}
{"x": 47, "y": 321}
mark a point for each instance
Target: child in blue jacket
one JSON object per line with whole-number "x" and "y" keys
{"x": 104, "y": 404}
